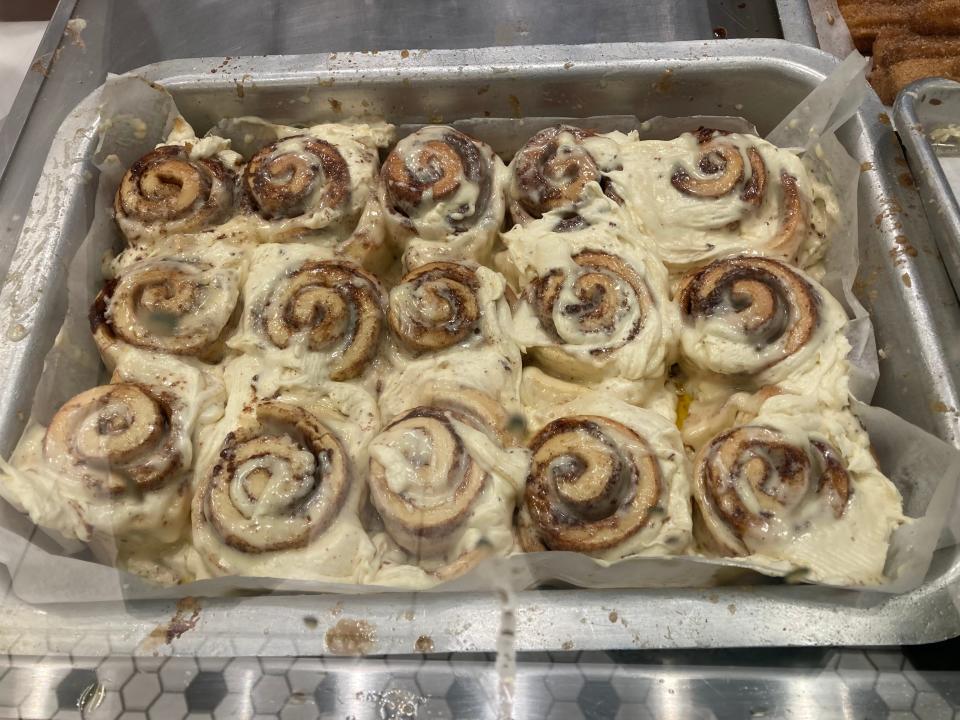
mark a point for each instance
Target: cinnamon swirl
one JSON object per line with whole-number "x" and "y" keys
{"x": 593, "y": 309}
{"x": 315, "y": 184}
{"x": 797, "y": 489}
{"x": 311, "y": 310}
{"x": 442, "y": 192}
{"x": 444, "y": 480}
{"x": 185, "y": 186}
{"x": 760, "y": 322}
{"x": 181, "y": 303}
{"x": 709, "y": 193}
{"x": 606, "y": 479}
{"x": 113, "y": 466}
{"x": 551, "y": 171}
{"x": 450, "y": 323}
{"x": 279, "y": 488}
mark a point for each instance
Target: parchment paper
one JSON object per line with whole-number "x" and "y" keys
{"x": 137, "y": 116}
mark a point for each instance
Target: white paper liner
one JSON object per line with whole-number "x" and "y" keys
{"x": 925, "y": 469}
{"x": 832, "y": 32}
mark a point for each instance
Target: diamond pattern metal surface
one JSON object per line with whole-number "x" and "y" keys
{"x": 872, "y": 684}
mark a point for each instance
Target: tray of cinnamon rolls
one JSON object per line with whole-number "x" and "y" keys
{"x": 358, "y": 354}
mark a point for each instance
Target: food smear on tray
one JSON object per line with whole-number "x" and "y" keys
{"x": 324, "y": 367}
{"x": 909, "y": 40}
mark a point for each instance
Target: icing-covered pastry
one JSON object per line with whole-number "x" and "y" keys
{"x": 184, "y": 186}
{"x": 444, "y": 479}
{"x": 442, "y": 192}
{"x": 606, "y": 479}
{"x": 709, "y": 193}
{"x": 279, "y": 478}
{"x": 751, "y": 321}
{"x": 307, "y": 308}
{"x": 179, "y": 302}
{"x": 551, "y": 171}
{"x": 797, "y": 490}
{"x": 450, "y": 324}
{"x": 593, "y": 309}
{"x": 113, "y": 467}
{"x": 316, "y": 184}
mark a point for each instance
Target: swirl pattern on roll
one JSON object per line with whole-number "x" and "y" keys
{"x": 442, "y": 194}
{"x": 295, "y": 176}
{"x": 173, "y": 193}
{"x": 176, "y": 305}
{"x": 333, "y": 306}
{"x": 435, "y": 306}
{"x": 600, "y": 304}
{"x": 424, "y": 477}
{"x": 743, "y": 315}
{"x": 279, "y": 483}
{"x": 593, "y": 484}
{"x": 551, "y": 171}
{"x": 756, "y": 483}
{"x": 118, "y": 438}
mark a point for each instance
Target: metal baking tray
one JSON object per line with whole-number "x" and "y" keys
{"x": 902, "y": 283}
{"x": 919, "y": 109}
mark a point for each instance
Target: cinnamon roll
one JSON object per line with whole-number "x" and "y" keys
{"x": 315, "y": 184}
{"x": 606, "y": 479}
{"x": 279, "y": 488}
{"x": 709, "y": 193}
{"x": 185, "y": 186}
{"x": 113, "y": 467}
{"x": 551, "y": 171}
{"x": 311, "y": 310}
{"x": 442, "y": 192}
{"x": 593, "y": 309}
{"x": 444, "y": 479}
{"x": 760, "y": 322}
{"x": 449, "y": 322}
{"x": 181, "y": 303}
{"x": 797, "y": 489}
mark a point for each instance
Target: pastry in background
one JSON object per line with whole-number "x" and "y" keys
{"x": 797, "y": 492}
{"x": 606, "y": 479}
{"x": 442, "y": 192}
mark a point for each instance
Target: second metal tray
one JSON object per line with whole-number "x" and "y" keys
{"x": 902, "y": 283}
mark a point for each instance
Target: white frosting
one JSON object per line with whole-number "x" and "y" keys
{"x": 689, "y": 230}
{"x": 218, "y": 268}
{"x": 852, "y": 549}
{"x": 625, "y": 353}
{"x": 462, "y": 226}
{"x": 358, "y": 145}
{"x": 271, "y": 263}
{"x": 488, "y": 361}
{"x": 412, "y": 469}
{"x": 716, "y": 355}
{"x": 341, "y": 552}
{"x": 667, "y": 533}
{"x": 143, "y": 524}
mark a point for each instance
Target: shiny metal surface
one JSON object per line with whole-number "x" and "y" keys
{"x": 762, "y": 80}
{"x": 920, "y": 108}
